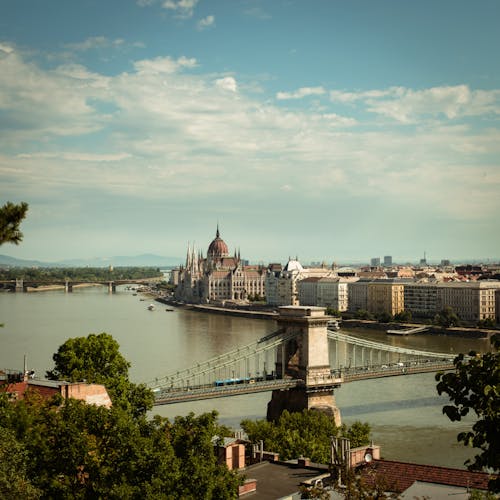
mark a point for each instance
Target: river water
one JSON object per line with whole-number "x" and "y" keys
{"x": 405, "y": 413}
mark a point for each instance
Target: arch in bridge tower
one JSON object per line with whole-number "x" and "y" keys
{"x": 305, "y": 357}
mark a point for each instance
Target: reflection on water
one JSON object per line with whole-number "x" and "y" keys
{"x": 405, "y": 412}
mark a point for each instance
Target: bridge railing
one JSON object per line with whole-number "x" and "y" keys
{"x": 183, "y": 378}
{"x": 334, "y": 335}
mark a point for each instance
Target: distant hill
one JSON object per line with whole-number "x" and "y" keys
{"x": 144, "y": 260}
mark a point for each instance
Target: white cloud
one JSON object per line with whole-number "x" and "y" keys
{"x": 182, "y": 8}
{"x": 258, "y": 13}
{"x": 206, "y": 22}
{"x": 157, "y": 128}
{"x": 227, "y": 83}
{"x": 163, "y": 65}
{"x": 96, "y": 42}
{"x": 300, "y": 93}
{"x": 6, "y": 48}
{"x": 409, "y": 106}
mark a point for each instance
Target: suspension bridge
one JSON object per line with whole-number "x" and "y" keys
{"x": 302, "y": 357}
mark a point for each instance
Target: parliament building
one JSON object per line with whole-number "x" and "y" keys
{"x": 218, "y": 278}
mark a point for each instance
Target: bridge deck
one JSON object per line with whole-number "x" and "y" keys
{"x": 196, "y": 393}
{"x": 164, "y": 397}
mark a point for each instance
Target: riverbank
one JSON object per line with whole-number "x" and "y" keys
{"x": 238, "y": 312}
{"x": 478, "y": 333}
{"x": 261, "y": 313}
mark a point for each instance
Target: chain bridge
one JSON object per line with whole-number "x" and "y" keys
{"x": 303, "y": 360}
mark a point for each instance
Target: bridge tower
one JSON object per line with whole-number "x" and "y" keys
{"x": 305, "y": 357}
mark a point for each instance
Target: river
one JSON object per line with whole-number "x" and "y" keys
{"x": 405, "y": 412}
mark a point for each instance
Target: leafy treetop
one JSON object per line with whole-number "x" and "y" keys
{"x": 304, "y": 434}
{"x": 475, "y": 385}
{"x": 11, "y": 215}
{"x": 97, "y": 359}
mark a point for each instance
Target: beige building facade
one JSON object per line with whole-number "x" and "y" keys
{"x": 385, "y": 297}
{"x": 471, "y": 301}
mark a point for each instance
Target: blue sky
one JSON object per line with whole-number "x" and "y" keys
{"x": 327, "y": 130}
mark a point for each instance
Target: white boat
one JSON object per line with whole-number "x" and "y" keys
{"x": 151, "y": 307}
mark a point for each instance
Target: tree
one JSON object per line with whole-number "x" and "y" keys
{"x": 384, "y": 317}
{"x": 486, "y": 323}
{"x": 403, "y": 316}
{"x": 475, "y": 385}
{"x": 363, "y": 314}
{"x": 97, "y": 359}
{"x": 446, "y": 318}
{"x": 192, "y": 439}
{"x": 78, "y": 451}
{"x": 14, "y": 483}
{"x": 305, "y": 433}
{"x": 331, "y": 311}
{"x": 11, "y": 216}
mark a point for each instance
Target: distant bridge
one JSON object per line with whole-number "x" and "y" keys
{"x": 21, "y": 285}
{"x": 259, "y": 367}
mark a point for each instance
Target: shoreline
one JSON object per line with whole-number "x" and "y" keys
{"x": 479, "y": 333}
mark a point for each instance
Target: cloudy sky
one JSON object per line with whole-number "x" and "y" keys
{"x": 324, "y": 129}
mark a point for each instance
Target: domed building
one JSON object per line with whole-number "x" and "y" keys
{"x": 219, "y": 277}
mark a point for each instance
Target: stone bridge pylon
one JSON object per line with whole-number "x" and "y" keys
{"x": 305, "y": 357}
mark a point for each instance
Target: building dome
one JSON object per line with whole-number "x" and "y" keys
{"x": 218, "y": 247}
{"x": 293, "y": 266}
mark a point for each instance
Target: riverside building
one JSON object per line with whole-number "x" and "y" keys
{"x": 218, "y": 278}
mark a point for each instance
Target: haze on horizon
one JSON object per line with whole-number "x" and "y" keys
{"x": 327, "y": 130}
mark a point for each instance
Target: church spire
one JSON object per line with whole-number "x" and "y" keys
{"x": 217, "y": 234}
{"x": 188, "y": 255}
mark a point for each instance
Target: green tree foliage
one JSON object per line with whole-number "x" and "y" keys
{"x": 11, "y": 216}
{"x": 304, "y": 434}
{"x": 384, "y": 317}
{"x": 333, "y": 312}
{"x": 97, "y": 359}
{"x": 486, "y": 323}
{"x": 76, "y": 451}
{"x": 14, "y": 483}
{"x": 404, "y": 316}
{"x": 475, "y": 385}
{"x": 51, "y": 274}
{"x": 362, "y": 314}
{"x": 192, "y": 439}
{"x": 446, "y": 318}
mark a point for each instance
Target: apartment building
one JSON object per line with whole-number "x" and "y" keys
{"x": 421, "y": 299}
{"x": 385, "y": 296}
{"x": 472, "y": 301}
{"x": 282, "y": 286}
{"x": 308, "y": 291}
{"x": 357, "y": 296}
{"x": 324, "y": 292}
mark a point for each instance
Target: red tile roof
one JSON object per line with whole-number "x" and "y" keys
{"x": 398, "y": 476}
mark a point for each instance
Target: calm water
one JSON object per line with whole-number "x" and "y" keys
{"x": 405, "y": 412}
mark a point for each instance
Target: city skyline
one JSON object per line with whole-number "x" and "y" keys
{"x": 326, "y": 130}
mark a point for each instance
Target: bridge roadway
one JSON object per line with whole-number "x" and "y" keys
{"x": 195, "y": 393}
{"x": 60, "y": 282}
